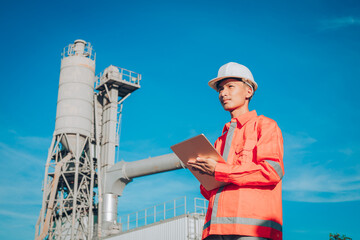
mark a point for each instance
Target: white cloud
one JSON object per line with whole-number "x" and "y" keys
{"x": 315, "y": 197}
{"x": 319, "y": 179}
{"x": 22, "y": 173}
{"x": 17, "y": 215}
{"x": 318, "y": 184}
{"x": 137, "y": 150}
{"x": 298, "y": 141}
{"x": 16, "y": 155}
{"x": 311, "y": 177}
{"x": 35, "y": 142}
{"x": 22, "y": 193}
{"x": 339, "y": 23}
{"x": 347, "y": 151}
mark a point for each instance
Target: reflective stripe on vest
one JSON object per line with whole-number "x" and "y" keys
{"x": 277, "y": 167}
{"x": 245, "y": 221}
{"x": 238, "y": 220}
{"x": 228, "y": 140}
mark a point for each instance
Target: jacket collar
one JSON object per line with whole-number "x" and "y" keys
{"x": 242, "y": 119}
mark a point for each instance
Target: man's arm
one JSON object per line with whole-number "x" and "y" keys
{"x": 265, "y": 170}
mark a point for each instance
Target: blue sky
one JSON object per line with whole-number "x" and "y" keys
{"x": 304, "y": 55}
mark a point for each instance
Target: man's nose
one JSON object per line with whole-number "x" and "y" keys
{"x": 223, "y": 92}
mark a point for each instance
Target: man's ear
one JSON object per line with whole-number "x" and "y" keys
{"x": 249, "y": 92}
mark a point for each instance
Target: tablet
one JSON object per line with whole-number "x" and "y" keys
{"x": 198, "y": 146}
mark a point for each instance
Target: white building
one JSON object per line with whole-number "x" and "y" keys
{"x": 167, "y": 221}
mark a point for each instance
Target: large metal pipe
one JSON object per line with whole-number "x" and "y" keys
{"x": 153, "y": 165}
{"x": 109, "y": 212}
{"x": 122, "y": 173}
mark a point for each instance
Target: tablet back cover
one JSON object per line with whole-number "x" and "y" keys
{"x": 198, "y": 146}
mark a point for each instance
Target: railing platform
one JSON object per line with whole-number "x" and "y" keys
{"x": 161, "y": 212}
{"x": 125, "y": 80}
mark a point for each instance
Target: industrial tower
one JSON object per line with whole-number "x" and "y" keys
{"x": 82, "y": 182}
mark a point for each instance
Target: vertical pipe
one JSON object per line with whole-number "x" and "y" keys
{"x": 99, "y": 176}
{"x": 109, "y": 141}
{"x": 109, "y": 211}
{"x": 61, "y": 208}
{"x": 92, "y": 174}
{"x": 74, "y": 211}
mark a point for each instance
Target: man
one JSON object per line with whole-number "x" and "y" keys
{"x": 250, "y": 205}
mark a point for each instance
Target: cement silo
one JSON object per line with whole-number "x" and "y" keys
{"x": 75, "y": 112}
{"x": 67, "y": 207}
{"x": 82, "y": 181}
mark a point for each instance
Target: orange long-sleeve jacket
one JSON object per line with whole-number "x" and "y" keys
{"x": 251, "y": 203}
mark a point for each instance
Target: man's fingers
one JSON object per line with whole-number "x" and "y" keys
{"x": 200, "y": 167}
{"x": 200, "y": 160}
{"x": 191, "y": 161}
{"x": 200, "y": 171}
{"x": 204, "y": 159}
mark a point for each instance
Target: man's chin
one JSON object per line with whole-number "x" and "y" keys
{"x": 228, "y": 108}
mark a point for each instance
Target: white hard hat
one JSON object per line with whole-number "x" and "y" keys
{"x": 234, "y": 70}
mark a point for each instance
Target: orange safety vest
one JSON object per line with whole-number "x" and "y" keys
{"x": 250, "y": 204}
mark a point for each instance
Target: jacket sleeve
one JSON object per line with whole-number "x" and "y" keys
{"x": 266, "y": 164}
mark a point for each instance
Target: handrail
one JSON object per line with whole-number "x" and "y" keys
{"x": 156, "y": 213}
{"x": 125, "y": 75}
{"x": 70, "y": 51}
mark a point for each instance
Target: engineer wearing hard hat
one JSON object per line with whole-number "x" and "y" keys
{"x": 250, "y": 205}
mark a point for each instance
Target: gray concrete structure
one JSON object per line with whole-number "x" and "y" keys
{"x": 82, "y": 182}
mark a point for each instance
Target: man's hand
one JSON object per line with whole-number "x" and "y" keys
{"x": 203, "y": 165}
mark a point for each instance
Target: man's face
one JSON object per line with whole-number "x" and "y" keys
{"x": 233, "y": 94}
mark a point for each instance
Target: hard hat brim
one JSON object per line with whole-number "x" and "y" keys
{"x": 213, "y": 82}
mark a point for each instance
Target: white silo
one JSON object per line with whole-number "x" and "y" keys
{"x": 76, "y": 94}
{"x": 68, "y": 209}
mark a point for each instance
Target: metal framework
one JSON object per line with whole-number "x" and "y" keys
{"x": 67, "y": 207}
{"x": 70, "y": 50}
